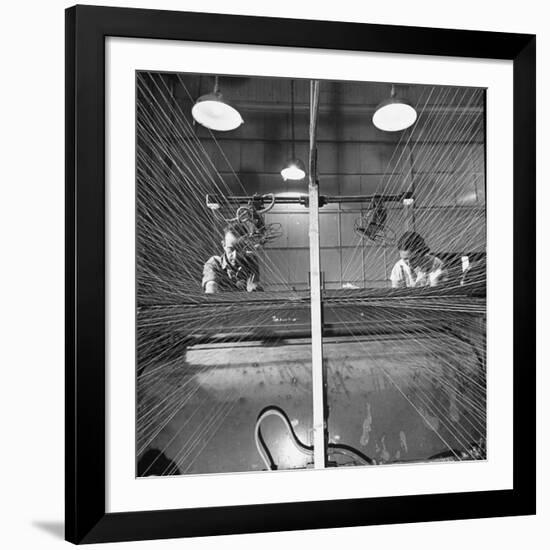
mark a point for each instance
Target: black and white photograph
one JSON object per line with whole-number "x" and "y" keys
{"x": 275, "y": 275}
{"x": 310, "y": 274}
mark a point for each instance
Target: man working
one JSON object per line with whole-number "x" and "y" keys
{"x": 235, "y": 269}
{"x": 416, "y": 267}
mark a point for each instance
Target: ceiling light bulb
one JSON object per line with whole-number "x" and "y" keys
{"x": 211, "y": 111}
{"x": 294, "y": 170}
{"x": 393, "y": 115}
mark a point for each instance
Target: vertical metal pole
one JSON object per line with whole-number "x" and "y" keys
{"x": 410, "y": 222}
{"x": 318, "y": 368}
{"x": 408, "y": 208}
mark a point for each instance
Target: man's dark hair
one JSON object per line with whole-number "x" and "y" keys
{"x": 412, "y": 241}
{"x": 238, "y": 229}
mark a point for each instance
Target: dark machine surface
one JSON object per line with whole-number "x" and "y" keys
{"x": 402, "y": 371}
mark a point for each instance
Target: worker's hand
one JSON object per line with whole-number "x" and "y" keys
{"x": 211, "y": 287}
{"x": 251, "y": 284}
{"x": 438, "y": 277}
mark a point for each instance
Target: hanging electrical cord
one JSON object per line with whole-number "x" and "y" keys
{"x": 264, "y": 452}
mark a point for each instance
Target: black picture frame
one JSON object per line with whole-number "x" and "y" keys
{"x": 86, "y": 29}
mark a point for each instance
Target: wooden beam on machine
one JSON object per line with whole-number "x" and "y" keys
{"x": 317, "y": 363}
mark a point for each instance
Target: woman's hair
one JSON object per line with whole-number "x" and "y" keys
{"x": 412, "y": 241}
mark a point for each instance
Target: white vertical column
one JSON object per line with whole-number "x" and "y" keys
{"x": 317, "y": 365}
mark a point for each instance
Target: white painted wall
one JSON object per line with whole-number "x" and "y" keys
{"x": 31, "y": 229}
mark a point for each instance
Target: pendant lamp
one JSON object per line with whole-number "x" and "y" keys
{"x": 214, "y": 113}
{"x": 294, "y": 169}
{"x": 394, "y": 114}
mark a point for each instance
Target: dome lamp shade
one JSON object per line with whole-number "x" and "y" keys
{"x": 394, "y": 114}
{"x": 294, "y": 170}
{"x": 214, "y": 113}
